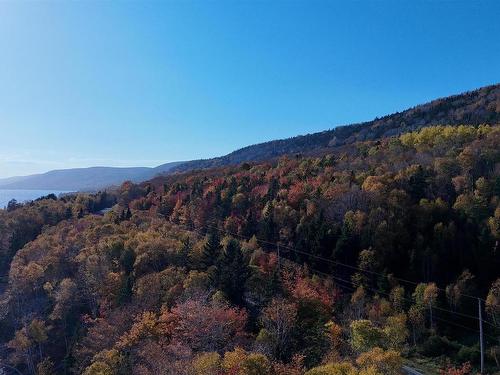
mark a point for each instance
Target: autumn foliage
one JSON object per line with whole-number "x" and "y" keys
{"x": 381, "y": 245}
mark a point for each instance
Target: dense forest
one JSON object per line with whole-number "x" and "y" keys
{"x": 360, "y": 259}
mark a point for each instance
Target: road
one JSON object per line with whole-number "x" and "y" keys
{"x": 411, "y": 371}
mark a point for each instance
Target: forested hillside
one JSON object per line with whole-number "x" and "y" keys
{"x": 353, "y": 261}
{"x": 476, "y": 107}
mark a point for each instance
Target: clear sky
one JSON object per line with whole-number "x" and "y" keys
{"x": 143, "y": 83}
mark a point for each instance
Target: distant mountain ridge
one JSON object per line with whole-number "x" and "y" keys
{"x": 84, "y": 179}
{"x": 474, "y": 107}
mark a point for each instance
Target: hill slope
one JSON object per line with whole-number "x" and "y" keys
{"x": 370, "y": 236}
{"x": 474, "y": 107}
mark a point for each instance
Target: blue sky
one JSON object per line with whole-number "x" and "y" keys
{"x": 143, "y": 83}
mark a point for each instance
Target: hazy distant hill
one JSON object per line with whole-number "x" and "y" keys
{"x": 78, "y": 179}
{"x": 474, "y": 107}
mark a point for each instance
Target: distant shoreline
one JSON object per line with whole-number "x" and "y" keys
{"x": 26, "y": 195}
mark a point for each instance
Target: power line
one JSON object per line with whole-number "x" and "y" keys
{"x": 349, "y": 266}
{"x": 435, "y": 317}
{"x": 357, "y": 268}
{"x": 350, "y": 285}
{"x": 343, "y": 264}
{"x": 464, "y": 327}
{"x": 324, "y": 259}
{"x": 362, "y": 270}
{"x": 433, "y": 307}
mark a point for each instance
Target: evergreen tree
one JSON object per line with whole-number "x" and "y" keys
{"x": 274, "y": 285}
{"x": 274, "y": 187}
{"x": 347, "y": 247}
{"x": 233, "y": 271}
{"x": 127, "y": 259}
{"x": 125, "y": 291}
{"x": 184, "y": 253}
{"x": 128, "y": 214}
{"x": 211, "y": 249}
{"x": 268, "y": 228}
{"x": 251, "y": 224}
{"x": 68, "y": 214}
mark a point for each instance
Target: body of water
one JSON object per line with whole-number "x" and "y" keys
{"x": 24, "y": 195}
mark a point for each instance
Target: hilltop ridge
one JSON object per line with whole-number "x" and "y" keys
{"x": 472, "y": 107}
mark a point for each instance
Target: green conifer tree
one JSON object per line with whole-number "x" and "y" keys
{"x": 233, "y": 271}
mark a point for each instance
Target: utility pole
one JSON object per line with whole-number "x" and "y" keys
{"x": 430, "y": 309}
{"x": 279, "y": 260}
{"x": 481, "y": 345}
